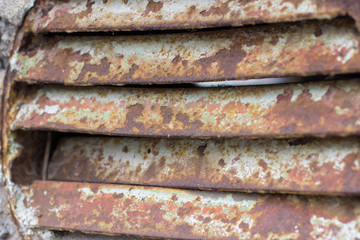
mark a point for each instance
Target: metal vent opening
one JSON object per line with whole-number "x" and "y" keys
{"x": 167, "y": 156}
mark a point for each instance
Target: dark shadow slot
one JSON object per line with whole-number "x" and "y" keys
{"x": 28, "y": 166}
{"x": 143, "y": 162}
{"x": 180, "y": 31}
{"x": 92, "y": 236}
{"x": 218, "y": 84}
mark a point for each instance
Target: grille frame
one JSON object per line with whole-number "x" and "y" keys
{"x": 21, "y": 195}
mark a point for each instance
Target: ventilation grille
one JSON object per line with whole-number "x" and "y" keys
{"x": 165, "y": 157}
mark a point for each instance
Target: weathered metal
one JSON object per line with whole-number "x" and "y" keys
{"x": 180, "y": 214}
{"x": 328, "y": 166}
{"x": 301, "y": 49}
{"x": 314, "y": 108}
{"x": 115, "y": 15}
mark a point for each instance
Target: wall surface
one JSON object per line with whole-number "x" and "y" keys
{"x": 11, "y": 16}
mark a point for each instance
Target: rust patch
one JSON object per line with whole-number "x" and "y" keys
{"x": 153, "y": 6}
{"x": 221, "y": 10}
{"x": 176, "y": 59}
{"x": 263, "y": 164}
{"x": 222, "y": 163}
{"x": 167, "y": 114}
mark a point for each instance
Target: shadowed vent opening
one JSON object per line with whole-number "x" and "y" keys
{"x": 175, "y": 152}
{"x": 231, "y": 165}
{"x": 82, "y": 236}
{"x": 206, "y": 162}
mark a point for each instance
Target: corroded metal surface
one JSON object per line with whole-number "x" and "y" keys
{"x": 329, "y": 166}
{"x": 113, "y": 15}
{"x": 323, "y": 108}
{"x": 299, "y": 49}
{"x": 171, "y": 213}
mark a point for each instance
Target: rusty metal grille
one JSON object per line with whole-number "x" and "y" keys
{"x": 107, "y": 130}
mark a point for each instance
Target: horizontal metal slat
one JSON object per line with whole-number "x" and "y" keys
{"x": 329, "y": 166}
{"x": 300, "y": 49}
{"x": 170, "y": 213}
{"x": 325, "y": 108}
{"x": 100, "y": 15}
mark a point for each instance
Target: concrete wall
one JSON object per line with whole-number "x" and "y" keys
{"x": 11, "y": 16}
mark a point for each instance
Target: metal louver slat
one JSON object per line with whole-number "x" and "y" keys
{"x": 327, "y": 166}
{"x": 171, "y": 213}
{"x": 319, "y": 109}
{"x": 110, "y": 15}
{"x": 300, "y": 49}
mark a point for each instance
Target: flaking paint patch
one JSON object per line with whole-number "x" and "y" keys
{"x": 321, "y": 228}
{"x": 52, "y": 109}
{"x": 351, "y": 48}
{"x": 25, "y": 214}
{"x": 318, "y": 92}
{"x": 13, "y": 151}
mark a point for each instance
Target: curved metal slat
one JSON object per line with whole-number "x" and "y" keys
{"x": 170, "y": 213}
{"x": 327, "y": 166}
{"x": 289, "y": 110}
{"x": 118, "y": 15}
{"x": 300, "y": 49}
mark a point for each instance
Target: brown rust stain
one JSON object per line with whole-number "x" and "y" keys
{"x": 167, "y": 114}
{"x": 221, "y": 10}
{"x": 288, "y": 214}
{"x": 132, "y": 114}
{"x": 186, "y": 124}
{"x": 263, "y": 164}
{"x": 89, "y": 5}
{"x": 153, "y": 6}
{"x": 187, "y": 210}
{"x": 222, "y": 163}
{"x": 174, "y": 197}
{"x": 176, "y": 59}
{"x": 321, "y": 111}
{"x": 101, "y": 69}
{"x": 226, "y": 59}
